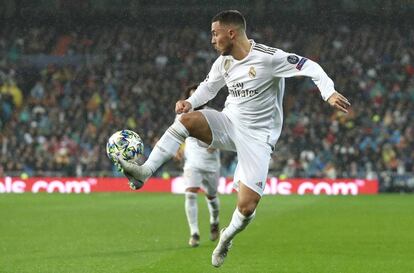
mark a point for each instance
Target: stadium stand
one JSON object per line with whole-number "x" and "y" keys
{"x": 63, "y": 92}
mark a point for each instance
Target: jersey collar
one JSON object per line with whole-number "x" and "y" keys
{"x": 252, "y": 44}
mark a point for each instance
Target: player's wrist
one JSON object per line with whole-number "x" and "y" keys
{"x": 327, "y": 94}
{"x": 190, "y": 103}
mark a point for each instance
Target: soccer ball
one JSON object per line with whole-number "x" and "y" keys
{"x": 125, "y": 143}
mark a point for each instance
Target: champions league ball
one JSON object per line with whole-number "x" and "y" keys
{"x": 125, "y": 143}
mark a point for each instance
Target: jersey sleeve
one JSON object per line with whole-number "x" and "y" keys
{"x": 288, "y": 65}
{"x": 209, "y": 88}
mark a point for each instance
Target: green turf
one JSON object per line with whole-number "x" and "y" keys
{"x": 123, "y": 232}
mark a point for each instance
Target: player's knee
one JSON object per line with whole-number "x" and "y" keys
{"x": 210, "y": 197}
{"x": 192, "y": 189}
{"x": 247, "y": 209}
{"x": 189, "y": 196}
{"x": 188, "y": 121}
{"x": 197, "y": 126}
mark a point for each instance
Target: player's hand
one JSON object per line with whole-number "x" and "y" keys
{"x": 339, "y": 102}
{"x": 182, "y": 106}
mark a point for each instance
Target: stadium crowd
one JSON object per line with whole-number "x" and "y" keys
{"x": 56, "y": 118}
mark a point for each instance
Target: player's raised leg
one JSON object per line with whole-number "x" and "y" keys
{"x": 247, "y": 201}
{"x": 190, "y": 124}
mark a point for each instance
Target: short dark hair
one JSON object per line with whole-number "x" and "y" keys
{"x": 230, "y": 17}
{"x": 189, "y": 89}
{"x": 187, "y": 95}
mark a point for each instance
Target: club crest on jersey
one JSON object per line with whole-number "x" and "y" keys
{"x": 227, "y": 63}
{"x": 293, "y": 59}
{"x": 252, "y": 72}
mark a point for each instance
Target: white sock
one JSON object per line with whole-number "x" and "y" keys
{"x": 191, "y": 209}
{"x": 167, "y": 146}
{"x": 237, "y": 224}
{"x": 213, "y": 207}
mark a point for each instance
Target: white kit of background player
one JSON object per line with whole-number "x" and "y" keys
{"x": 201, "y": 170}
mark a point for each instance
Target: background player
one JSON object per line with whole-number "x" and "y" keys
{"x": 201, "y": 170}
{"x": 251, "y": 121}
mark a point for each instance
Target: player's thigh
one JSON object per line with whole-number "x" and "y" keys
{"x": 253, "y": 164}
{"x": 210, "y": 183}
{"x": 197, "y": 126}
{"x": 192, "y": 178}
{"x": 222, "y": 130}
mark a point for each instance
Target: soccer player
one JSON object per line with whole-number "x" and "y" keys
{"x": 251, "y": 121}
{"x": 201, "y": 170}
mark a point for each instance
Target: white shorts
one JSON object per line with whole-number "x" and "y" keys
{"x": 195, "y": 178}
{"x": 253, "y": 155}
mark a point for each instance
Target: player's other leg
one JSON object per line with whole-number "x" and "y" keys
{"x": 213, "y": 204}
{"x": 250, "y": 180}
{"x": 247, "y": 201}
{"x": 190, "y": 124}
{"x": 191, "y": 211}
{"x": 209, "y": 185}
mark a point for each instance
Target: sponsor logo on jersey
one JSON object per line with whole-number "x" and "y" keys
{"x": 293, "y": 59}
{"x": 236, "y": 89}
{"x": 252, "y": 72}
{"x": 301, "y": 63}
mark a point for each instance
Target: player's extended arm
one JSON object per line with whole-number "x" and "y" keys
{"x": 290, "y": 65}
{"x": 205, "y": 91}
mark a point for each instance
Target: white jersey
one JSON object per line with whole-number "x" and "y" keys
{"x": 256, "y": 87}
{"x": 197, "y": 156}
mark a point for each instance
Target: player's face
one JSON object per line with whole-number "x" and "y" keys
{"x": 221, "y": 38}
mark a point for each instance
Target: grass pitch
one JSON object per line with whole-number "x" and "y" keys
{"x": 129, "y": 232}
